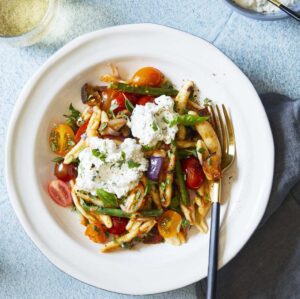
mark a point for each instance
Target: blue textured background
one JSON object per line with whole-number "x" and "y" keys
{"x": 268, "y": 52}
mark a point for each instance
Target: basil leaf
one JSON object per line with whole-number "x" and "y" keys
{"x": 185, "y": 223}
{"x": 187, "y": 120}
{"x": 109, "y": 200}
{"x": 128, "y": 105}
{"x": 72, "y": 118}
{"x": 187, "y": 152}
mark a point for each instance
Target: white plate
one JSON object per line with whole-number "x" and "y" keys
{"x": 57, "y": 232}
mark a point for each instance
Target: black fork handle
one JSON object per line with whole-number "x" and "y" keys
{"x": 213, "y": 252}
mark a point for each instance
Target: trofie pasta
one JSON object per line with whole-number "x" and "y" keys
{"x": 138, "y": 163}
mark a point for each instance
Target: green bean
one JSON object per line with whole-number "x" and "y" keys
{"x": 181, "y": 184}
{"x": 121, "y": 213}
{"x": 152, "y": 91}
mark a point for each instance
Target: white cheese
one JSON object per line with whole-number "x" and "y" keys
{"x": 149, "y": 123}
{"x": 263, "y": 5}
{"x": 115, "y": 168}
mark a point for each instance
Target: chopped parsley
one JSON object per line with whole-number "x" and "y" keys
{"x": 98, "y": 154}
{"x": 185, "y": 223}
{"x": 148, "y": 148}
{"x": 154, "y": 126}
{"x": 132, "y": 164}
{"x": 165, "y": 120}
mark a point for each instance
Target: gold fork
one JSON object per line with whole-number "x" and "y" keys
{"x": 225, "y": 132}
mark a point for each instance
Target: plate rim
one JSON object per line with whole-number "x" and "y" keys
{"x": 21, "y": 101}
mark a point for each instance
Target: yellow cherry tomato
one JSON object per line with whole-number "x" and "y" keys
{"x": 61, "y": 139}
{"x": 147, "y": 76}
{"x": 169, "y": 224}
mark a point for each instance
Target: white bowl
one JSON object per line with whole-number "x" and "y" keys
{"x": 57, "y": 232}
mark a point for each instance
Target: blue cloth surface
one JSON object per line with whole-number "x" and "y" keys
{"x": 268, "y": 52}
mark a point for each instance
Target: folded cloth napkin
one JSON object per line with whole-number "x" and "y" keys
{"x": 269, "y": 264}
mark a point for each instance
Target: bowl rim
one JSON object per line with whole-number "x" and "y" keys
{"x": 259, "y": 15}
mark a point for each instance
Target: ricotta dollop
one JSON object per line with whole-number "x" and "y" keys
{"x": 115, "y": 168}
{"x": 150, "y": 123}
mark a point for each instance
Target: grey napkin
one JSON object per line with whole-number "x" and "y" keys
{"x": 269, "y": 264}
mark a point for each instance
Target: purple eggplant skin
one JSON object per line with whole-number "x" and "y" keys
{"x": 155, "y": 167}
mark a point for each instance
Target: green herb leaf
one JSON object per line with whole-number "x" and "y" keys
{"x": 148, "y": 148}
{"x": 112, "y": 108}
{"x": 109, "y": 200}
{"x": 128, "y": 105}
{"x": 165, "y": 120}
{"x": 207, "y": 101}
{"x": 132, "y": 164}
{"x": 148, "y": 187}
{"x": 103, "y": 126}
{"x": 57, "y": 159}
{"x": 53, "y": 147}
{"x": 72, "y": 118}
{"x": 187, "y": 120}
{"x": 201, "y": 150}
{"x": 185, "y": 223}
{"x": 187, "y": 152}
{"x": 163, "y": 186}
{"x": 154, "y": 126}
{"x": 175, "y": 203}
{"x": 98, "y": 154}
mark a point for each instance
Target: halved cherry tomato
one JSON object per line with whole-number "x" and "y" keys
{"x": 153, "y": 237}
{"x": 144, "y": 100}
{"x": 96, "y": 233}
{"x": 61, "y": 139}
{"x": 65, "y": 172}
{"x": 147, "y": 76}
{"x": 194, "y": 173}
{"x": 169, "y": 224}
{"x": 80, "y": 131}
{"x": 119, "y": 99}
{"x": 59, "y": 191}
{"x": 118, "y": 225}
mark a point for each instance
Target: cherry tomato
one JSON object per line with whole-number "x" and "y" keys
{"x": 147, "y": 76}
{"x": 194, "y": 173}
{"x": 153, "y": 237}
{"x": 119, "y": 100}
{"x": 59, "y": 191}
{"x": 169, "y": 224}
{"x": 81, "y": 131}
{"x": 144, "y": 100}
{"x": 96, "y": 233}
{"x": 61, "y": 139}
{"x": 65, "y": 172}
{"x": 118, "y": 225}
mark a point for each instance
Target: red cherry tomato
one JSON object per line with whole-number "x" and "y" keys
{"x": 153, "y": 237}
{"x": 147, "y": 76}
{"x": 194, "y": 173}
{"x": 144, "y": 100}
{"x": 80, "y": 131}
{"x": 59, "y": 191}
{"x": 119, "y": 100}
{"x": 119, "y": 225}
{"x": 65, "y": 172}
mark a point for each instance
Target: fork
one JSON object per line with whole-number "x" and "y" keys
{"x": 225, "y": 132}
